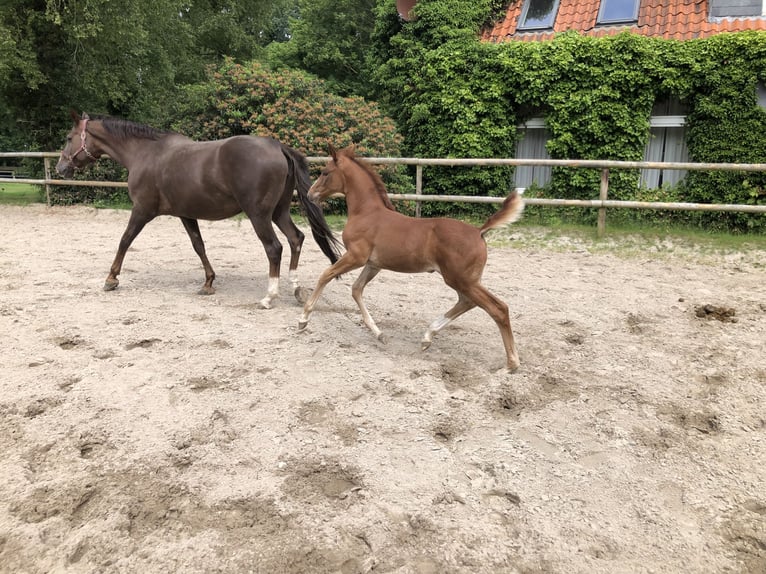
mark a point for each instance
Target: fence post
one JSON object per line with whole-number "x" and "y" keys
{"x": 602, "y": 195}
{"x": 47, "y": 167}
{"x": 418, "y": 187}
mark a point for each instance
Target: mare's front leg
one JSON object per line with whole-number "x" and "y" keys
{"x": 343, "y": 265}
{"x": 192, "y": 228}
{"x": 136, "y": 223}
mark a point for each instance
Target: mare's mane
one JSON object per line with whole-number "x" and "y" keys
{"x": 125, "y": 129}
{"x": 380, "y": 187}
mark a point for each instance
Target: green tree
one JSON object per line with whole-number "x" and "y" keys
{"x": 332, "y": 40}
{"x": 123, "y": 58}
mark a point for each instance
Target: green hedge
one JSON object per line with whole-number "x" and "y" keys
{"x": 456, "y": 96}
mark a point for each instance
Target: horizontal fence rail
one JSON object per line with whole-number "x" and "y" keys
{"x": 602, "y": 203}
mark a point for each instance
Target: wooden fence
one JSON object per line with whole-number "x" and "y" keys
{"x": 602, "y": 203}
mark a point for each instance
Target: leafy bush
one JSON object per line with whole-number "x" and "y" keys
{"x": 453, "y": 95}
{"x": 293, "y": 107}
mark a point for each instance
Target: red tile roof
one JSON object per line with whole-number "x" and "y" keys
{"x": 676, "y": 19}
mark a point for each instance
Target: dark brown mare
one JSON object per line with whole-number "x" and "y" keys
{"x": 377, "y": 237}
{"x": 169, "y": 174}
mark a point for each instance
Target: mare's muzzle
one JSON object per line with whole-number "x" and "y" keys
{"x": 65, "y": 168}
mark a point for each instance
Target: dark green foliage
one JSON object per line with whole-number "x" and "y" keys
{"x": 293, "y": 107}
{"x": 455, "y": 96}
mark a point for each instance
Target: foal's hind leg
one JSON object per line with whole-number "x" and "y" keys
{"x": 499, "y": 312}
{"x": 463, "y": 305}
{"x": 367, "y": 274}
{"x": 295, "y": 239}
{"x": 192, "y": 228}
{"x": 136, "y": 223}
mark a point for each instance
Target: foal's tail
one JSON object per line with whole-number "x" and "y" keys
{"x": 511, "y": 211}
{"x": 322, "y": 233}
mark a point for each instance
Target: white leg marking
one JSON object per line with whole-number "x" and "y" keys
{"x": 293, "y": 277}
{"x": 434, "y": 328}
{"x": 272, "y": 293}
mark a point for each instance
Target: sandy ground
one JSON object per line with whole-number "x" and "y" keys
{"x": 151, "y": 429}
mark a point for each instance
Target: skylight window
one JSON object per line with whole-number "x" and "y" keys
{"x": 618, "y": 11}
{"x": 538, "y": 14}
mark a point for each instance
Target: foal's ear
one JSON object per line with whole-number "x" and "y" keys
{"x": 333, "y": 151}
{"x": 74, "y": 115}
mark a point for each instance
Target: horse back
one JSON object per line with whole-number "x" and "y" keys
{"x": 211, "y": 180}
{"x": 413, "y": 245}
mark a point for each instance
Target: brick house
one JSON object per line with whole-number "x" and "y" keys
{"x": 541, "y": 20}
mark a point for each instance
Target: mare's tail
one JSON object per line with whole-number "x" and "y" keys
{"x": 510, "y": 211}
{"x": 322, "y": 233}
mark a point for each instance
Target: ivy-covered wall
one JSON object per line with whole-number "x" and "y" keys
{"x": 455, "y": 96}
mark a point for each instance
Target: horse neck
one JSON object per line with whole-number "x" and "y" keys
{"x": 361, "y": 193}
{"x": 121, "y": 150}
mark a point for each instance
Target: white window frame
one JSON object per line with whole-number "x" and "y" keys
{"x": 601, "y": 21}
{"x": 521, "y": 27}
{"x": 666, "y": 143}
{"x": 532, "y": 148}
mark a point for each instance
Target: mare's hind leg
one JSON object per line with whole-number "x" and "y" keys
{"x": 367, "y": 274}
{"x": 295, "y": 239}
{"x": 499, "y": 312}
{"x": 463, "y": 305}
{"x": 273, "y": 248}
{"x": 192, "y": 228}
{"x": 136, "y": 223}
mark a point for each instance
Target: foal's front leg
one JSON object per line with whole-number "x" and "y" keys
{"x": 136, "y": 223}
{"x": 367, "y": 275}
{"x": 343, "y": 265}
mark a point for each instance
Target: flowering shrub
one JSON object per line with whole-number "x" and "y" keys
{"x": 289, "y": 105}
{"x": 294, "y": 108}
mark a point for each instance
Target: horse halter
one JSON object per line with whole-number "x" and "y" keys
{"x": 83, "y": 136}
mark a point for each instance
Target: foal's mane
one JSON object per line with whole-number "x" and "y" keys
{"x": 380, "y": 187}
{"x": 125, "y": 129}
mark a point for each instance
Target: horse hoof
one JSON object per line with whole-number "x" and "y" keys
{"x": 382, "y": 338}
{"x": 424, "y": 345}
{"x": 111, "y": 285}
{"x": 302, "y": 294}
{"x": 513, "y": 367}
{"x": 302, "y": 325}
{"x": 206, "y": 291}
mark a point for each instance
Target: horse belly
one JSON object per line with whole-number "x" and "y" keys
{"x": 402, "y": 261}
{"x": 195, "y": 195}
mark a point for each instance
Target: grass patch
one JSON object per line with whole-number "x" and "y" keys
{"x": 20, "y": 193}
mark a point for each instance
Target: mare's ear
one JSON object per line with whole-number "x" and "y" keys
{"x": 333, "y": 151}
{"x": 74, "y": 115}
{"x": 350, "y": 150}
{"x": 85, "y": 116}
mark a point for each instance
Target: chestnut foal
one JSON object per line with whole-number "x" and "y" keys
{"x": 377, "y": 237}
